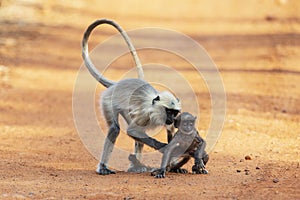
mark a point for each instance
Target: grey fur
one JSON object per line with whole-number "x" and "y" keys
{"x": 135, "y": 100}
{"x": 85, "y": 52}
{"x": 186, "y": 143}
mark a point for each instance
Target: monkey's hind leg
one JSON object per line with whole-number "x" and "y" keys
{"x": 135, "y": 160}
{"x": 110, "y": 140}
{"x": 136, "y": 166}
{"x": 176, "y": 165}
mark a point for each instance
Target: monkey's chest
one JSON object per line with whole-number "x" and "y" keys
{"x": 193, "y": 147}
{"x": 186, "y": 146}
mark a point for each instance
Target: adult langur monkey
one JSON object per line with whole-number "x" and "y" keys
{"x": 134, "y": 99}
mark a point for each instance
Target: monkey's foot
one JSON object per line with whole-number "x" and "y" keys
{"x": 103, "y": 170}
{"x": 140, "y": 169}
{"x": 159, "y": 173}
{"x": 179, "y": 170}
{"x": 199, "y": 170}
{"x": 137, "y": 167}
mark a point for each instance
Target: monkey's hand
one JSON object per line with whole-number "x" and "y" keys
{"x": 159, "y": 173}
{"x": 199, "y": 168}
{"x": 103, "y": 170}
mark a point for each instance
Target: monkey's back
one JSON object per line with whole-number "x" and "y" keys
{"x": 129, "y": 92}
{"x": 132, "y": 98}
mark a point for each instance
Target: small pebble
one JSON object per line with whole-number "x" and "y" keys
{"x": 128, "y": 198}
{"x": 270, "y": 18}
{"x": 30, "y": 193}
{"x": 257, "y": 167}
{"x": 238, "y": 171}
{"x": 275, "y": 180}
{"x": 52, "y": 174}
{"x": 247, "y": 171}
{"x": 248, "y": 157}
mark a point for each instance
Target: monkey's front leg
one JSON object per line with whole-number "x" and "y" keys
{"x": 201, "y": 158}
{"x": 199, "y": 166}
{"x": 140, "y": 136}
{"x": 159, "y": 173}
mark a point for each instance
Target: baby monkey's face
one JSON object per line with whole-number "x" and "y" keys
{"x": 187, "y": 126}
{"x": 185, "y": 122}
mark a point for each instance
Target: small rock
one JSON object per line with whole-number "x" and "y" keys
{"x": 248, "y": 157}
{"x": 275, "y": 180}
{"x": 270, "y": 18}
{"x": 128, "y": 198}
{"x": 30, "y": 194}
{"x": 283, "y": 111}
{"x": 52, "y": 174}
{"x": 247, "y": 171}
{"x": 238, "y": 170}
{"x": 257, "y": 167}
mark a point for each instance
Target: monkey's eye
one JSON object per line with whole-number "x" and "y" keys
{"x": 172, "y": 111}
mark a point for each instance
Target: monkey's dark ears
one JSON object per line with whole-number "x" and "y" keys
{"x": 155, "y": 99}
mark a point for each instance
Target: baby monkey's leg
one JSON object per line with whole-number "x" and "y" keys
{"x": 176, "y": 165}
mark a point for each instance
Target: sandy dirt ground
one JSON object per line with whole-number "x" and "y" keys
{"x": 256, "y": 46}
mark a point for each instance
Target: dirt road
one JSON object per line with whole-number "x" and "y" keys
{"x": 255, "y": 46}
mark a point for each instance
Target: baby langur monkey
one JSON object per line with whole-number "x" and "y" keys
{"x": 185, "y": 144}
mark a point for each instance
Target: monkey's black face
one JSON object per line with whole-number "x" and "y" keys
{"x": 171, "y": 114}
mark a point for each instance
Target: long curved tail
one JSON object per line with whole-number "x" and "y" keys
{"x": 85, "y": 52}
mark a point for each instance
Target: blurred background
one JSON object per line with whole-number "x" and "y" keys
{"x": 255, "y": 45}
